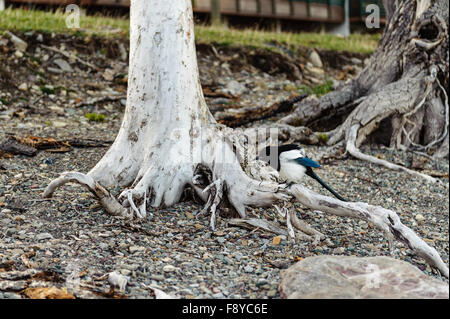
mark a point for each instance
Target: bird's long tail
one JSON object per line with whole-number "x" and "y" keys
{"x": 311, "y": 174}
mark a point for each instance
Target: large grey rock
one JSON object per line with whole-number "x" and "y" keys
{"x": 355, "y": 277}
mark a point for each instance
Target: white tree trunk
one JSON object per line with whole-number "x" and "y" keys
{"x": 167, "y": 129}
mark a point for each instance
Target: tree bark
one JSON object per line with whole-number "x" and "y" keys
{"x": 406, "y": 81}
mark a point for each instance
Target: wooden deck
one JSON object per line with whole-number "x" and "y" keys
{"x": 306, "y": 10}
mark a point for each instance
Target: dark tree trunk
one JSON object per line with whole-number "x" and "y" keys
{"x": 406, "y": 83}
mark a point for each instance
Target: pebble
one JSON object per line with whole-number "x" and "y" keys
{"x": 169, "y": 268}
{"x": 315, "y": 59}
{"x": 23, "y": 87}
{"x": 419, "y": 217}
{"x": 43, "y": 236}
{"x": 18, "y": 54}
{"x": 248, "y": 269}
{"x": 236, "y": 259}
{"x": 63, "y": 65}
{"x": 338, "y": 251}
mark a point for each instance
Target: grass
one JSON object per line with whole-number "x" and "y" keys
{"x": 94, "y": 117}
{"x": 25, "y": 20}
{"x": 318, "y": 90}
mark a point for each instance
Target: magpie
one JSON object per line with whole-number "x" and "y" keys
{"x": 292, "y": 164}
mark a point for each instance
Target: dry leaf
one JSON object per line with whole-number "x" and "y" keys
{"x": 48, "y": 293}
{"x": 276, "y": 240}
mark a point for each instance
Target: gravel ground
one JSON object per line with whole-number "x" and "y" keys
{"x": 172, "y": 249}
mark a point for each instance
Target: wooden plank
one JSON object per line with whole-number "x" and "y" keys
{"x": 266, "y": 7}
{"x": 318, "y": 11}
{"x": 203, "y": 4}
{"x": 249, "y": 6}
{"x": 337, "y": 13}
{"x": 228, "y": 5}
{"x": 283, "y": 7}
{"x": 300, "y": 9}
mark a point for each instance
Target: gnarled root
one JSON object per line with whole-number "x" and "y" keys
{"x": 386, "y": 220}
{"x": 354, "y": 151}
{"x": 292, "y": 221}
{"x": 111, "y": 205}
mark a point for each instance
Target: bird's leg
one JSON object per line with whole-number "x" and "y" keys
{"x": 216, "y": 190}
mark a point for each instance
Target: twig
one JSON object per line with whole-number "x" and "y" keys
{"x": 71, "y": 56}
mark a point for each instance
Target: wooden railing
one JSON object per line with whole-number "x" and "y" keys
{"x": 309, "y": 10}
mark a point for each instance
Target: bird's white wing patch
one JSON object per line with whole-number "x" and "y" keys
{"x": 290, "y": 155}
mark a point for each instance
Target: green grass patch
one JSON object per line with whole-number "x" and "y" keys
{"x": 323, "y": 138}
{"x": 318, "y": 90}
{"x": 42, "y": 21}
{"x": 94, "y": 117}
{"x": 4, "y": 101}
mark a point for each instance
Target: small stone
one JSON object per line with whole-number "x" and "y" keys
{"x": 43, "y": 236}
{"x": 356, "y": 61}
{"x": 19, "y": 44}
{"x": 238, "y": 256}
{"x": 125, "y": 272}
{"x": 59, "y": 124}
{"x": 261, "y": 282}
{"x": 169, "y": 268}
{"x": 157, "y": 277}
{"x": 133, "y": 249}
{"x": 11, "y": 295}
{"x": 18, "y": 54}
{"x": 290, "y": 87}
{"x": 419, "y": 217}
{"x": 314, "y": 58}
{"x": 23, "y": 87}
{"x": 248, "y": 269}
{"x": 108, "y": 75}
{"x": 271, "y": 293}
{"x": 338, "y": 251}
{"x": 63, "y": 65}
{"x": 235, "y": 88}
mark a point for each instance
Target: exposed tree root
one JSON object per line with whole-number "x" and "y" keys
{"x": 354, "y": 151}
{"x": 241, "y": 116}
{"x": 386, "y": 220}
{"x": 111, "y": 205}
{"x": 169, "y": 140}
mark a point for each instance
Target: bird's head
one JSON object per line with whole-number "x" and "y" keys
{"x": 271, "y": 154}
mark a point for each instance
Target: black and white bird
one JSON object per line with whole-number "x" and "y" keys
{"x": 292, "y": 164}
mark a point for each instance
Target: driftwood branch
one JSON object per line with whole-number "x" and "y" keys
{"x": 239, "y": 117}
{"x": 386, "y": 220}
